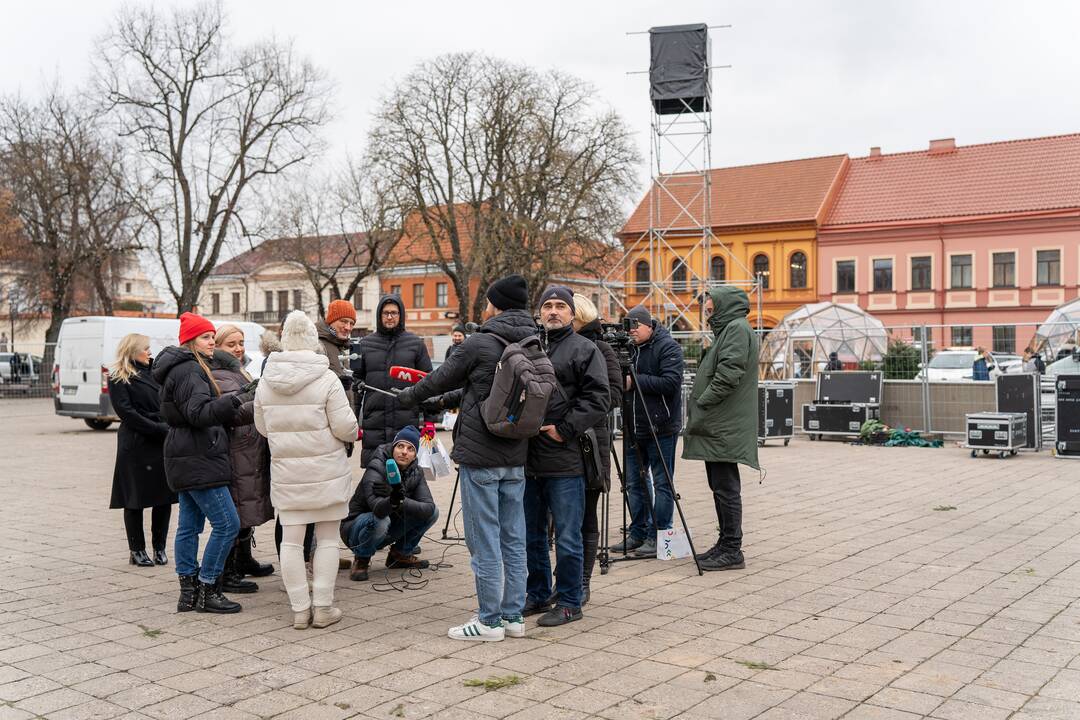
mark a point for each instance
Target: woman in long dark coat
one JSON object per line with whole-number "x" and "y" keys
{"x": 139, "y": 474}
{"x": 250, "y": 457}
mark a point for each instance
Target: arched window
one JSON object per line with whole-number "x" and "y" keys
{"x": 641, "y": 276}
{"x": 717, "y": 269}
{"x": 678, "y": 275}
{"x": 761, "y": 270}
{"x": 798, "y": 270}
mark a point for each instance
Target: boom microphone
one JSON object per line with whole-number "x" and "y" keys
{"x": 393, "y": 476}
{"x": 471, "y": 327}
{"x": 407, "y": 374}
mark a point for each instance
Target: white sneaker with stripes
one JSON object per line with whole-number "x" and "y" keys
{"x": 514, "y": 628}
{"x": 476, "y": 630}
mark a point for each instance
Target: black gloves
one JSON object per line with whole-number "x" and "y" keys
{"x": 406, "y": 397}
{"x": 431, "y": 405}
{"x": 346, "y": 382}
{"x": 381, "y": 489}
{"x": 397, "y": 498}
{"x": 237, "y": 400}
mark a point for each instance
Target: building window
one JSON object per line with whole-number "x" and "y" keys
{"x": 358, "y": 299}
{"x": 641, "y": 276}
{"x": 921, "y": 271}
{"x": 1004, "y": 270}
{"x": 613, "y": 307}
{"x": 596, "y": 301}
{"x": 883, "y": 275}
{"x": 215, "y": 303}
{"x": 961, "y": 335}
{"x": 717, "y": 269}
{"x": 127, "y": 287}
{"x": 845, "y": 276}
{"x": 761, "y": 270}
{"x": 282, "y": 302}
{"x": 917, "y": 334}
{"x": 418, "y": 295}
{"x": 268, "y": 300}
{"x": 395, "y": 290}
{"x": 442, "y": 294}
{"x": 236, "y": 303}
{"x": 961, "y": 272}
{"x": 798, "y": 271}
{"x": 1004, "y": 338}
{"x": 678, "y": 275}
{"x": 1048, "y": 267}
{"x": 298, "y": 299}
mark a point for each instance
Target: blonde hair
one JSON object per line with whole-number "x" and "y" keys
{"x": 225, "y": 331}
{"x": 123, "y": 368}
{"x": 190, "y": 345}
{"x": 584, "y": 310}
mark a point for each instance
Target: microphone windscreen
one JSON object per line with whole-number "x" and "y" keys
{"x": 406, "y": 374}
{"x": 393, "y": 476}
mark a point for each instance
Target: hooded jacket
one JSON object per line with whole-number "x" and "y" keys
{"x": 581, "y": 405}
{"x": 659, "y": 365}
{"x": 197, "y": 445}
{"x": 248, "y": 452}
{"x": 302, "y": 410}
{"x": 382, "y": 416}
{"x": 723, "y": 412}
{"x": 418, "y": 506}
{"x": 464, "y": 380}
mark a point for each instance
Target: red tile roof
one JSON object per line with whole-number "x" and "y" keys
{"x": 1038, "y": 174}
{"x": 332, "y": 250}
{"x": 779, "y": 192}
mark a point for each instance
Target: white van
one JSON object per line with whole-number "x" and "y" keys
{"x": 87, "y": 347}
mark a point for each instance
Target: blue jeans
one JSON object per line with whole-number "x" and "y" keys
{"x": 565, "y": 498}
{"x": 197, "y": 506}
{"x": 367, "y": 533}
{"x": 491, "y": 507}
{"x": 640, "y": 492}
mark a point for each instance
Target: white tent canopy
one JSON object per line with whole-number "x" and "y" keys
{"x": 1060, "y": 329}
{"x": 801, "y": 343}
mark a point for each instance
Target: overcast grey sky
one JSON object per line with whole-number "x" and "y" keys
{"x": 809, "y": 78}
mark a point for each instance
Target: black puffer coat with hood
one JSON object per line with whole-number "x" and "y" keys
{"x": 197, "y": 446}
{"x": 382, "y": 416}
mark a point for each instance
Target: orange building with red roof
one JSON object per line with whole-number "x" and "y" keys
{"x": 983, "y": 238}
{"x": 764, "y": 221}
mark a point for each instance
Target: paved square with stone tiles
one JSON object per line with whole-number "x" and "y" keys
{"x": 881, "y": 584}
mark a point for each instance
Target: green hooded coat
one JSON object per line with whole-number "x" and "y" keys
{"x": 723, "y": 411}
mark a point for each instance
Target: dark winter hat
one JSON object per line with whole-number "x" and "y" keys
{"x": 459, "y": 328}
{"x": 509, "y": 293}
{"x": 641, "y": 314}
{"x": 558, "y": 292}
{"x": 408, "y": 434}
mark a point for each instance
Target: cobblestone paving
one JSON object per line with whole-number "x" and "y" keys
{"x": 882, "y": 584}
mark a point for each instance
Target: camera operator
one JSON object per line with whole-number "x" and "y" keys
{"x": 722, "y": 426}
{"x": 658, "y": 363}
{"x": 555, "y": 471}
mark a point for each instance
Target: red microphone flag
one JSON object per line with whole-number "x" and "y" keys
{"x": 407, "y": 374}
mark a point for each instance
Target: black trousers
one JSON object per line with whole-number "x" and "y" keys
{"x": 159, "y": 527}
{"x": 591, "y": 522}
{"x": 726, "y": 486}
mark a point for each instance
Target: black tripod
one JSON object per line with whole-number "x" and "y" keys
{"x": 604, "y": 552}
{"x": 450, "y": 511}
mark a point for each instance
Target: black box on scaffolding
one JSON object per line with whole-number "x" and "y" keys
{"x": 679, "y": 75}
{"x": 776, "y": 411}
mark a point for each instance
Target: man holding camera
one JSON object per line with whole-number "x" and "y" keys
{"x": 555, "y": 471}
{"x": 657, "y": 408}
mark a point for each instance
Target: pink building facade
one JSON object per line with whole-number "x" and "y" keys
{"x": 978, "y": 243}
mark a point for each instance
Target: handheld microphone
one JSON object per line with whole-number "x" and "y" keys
{"x": 406, "y": 374}
{"x": 393, "y": 476}
{"x": 471, "y": 327}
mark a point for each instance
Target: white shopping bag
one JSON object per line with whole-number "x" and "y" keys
{"x": 672, "y": 544}
{"x": 449, "y": 418}
{"x": 440, "y": 459}
{"x": 423, "y": 459}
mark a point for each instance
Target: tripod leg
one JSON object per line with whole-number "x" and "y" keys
{"x": 450, "y": 510}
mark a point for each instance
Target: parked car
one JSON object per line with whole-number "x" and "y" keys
{"x": 955, "y": 364}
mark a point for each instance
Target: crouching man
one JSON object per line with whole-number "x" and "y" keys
{"x": 382, "y": 514}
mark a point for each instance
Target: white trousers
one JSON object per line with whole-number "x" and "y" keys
{"x": 324, "y": 565}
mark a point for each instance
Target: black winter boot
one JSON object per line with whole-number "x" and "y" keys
{"x": 245, "y": 563}
{"x": 590, "y": 542}
{"x": 189, "y": 588}
{"x": 211, "y": 600}
{"x": 232, "y": 581}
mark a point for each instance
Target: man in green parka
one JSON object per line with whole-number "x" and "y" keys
{"x": 722, "y": 425}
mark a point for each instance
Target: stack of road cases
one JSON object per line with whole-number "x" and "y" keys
{"x": 844, "y": 401}
{"x": 776, "y": 411}
{"x": 1067, "y": 422}
{"x": 1000, "y": 432}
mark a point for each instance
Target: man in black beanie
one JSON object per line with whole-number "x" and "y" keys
{"x": 491, "y": 468}
{"x": 555, "y": 473}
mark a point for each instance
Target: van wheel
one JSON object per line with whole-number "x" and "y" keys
{"x": 97, "y": 423}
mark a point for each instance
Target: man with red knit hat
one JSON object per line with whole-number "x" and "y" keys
{"x": 335, "y": 333}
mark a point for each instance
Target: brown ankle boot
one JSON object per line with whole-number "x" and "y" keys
{"x": 358, "y": 571}
{"x": 395, "y": 559}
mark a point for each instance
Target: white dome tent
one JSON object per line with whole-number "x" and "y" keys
{"x": 799, "y": 346}
{"x": 1060, "y": 330}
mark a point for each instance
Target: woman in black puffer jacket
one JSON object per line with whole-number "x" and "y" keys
{"x": 197, "y": 464}
{"x": 587, "y": 324}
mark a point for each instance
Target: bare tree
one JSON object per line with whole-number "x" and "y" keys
{"x": 503, "y": 169}
{"x": 210, "y": 125}
{"x": 67, "y": 192}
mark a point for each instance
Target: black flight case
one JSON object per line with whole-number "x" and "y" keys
{"x": 1003, "y": 433}
{"x": 1067, "y": 422}
{"x": 776, "y": 411}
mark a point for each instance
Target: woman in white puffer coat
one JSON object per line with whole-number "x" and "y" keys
{"x": 302, "y": 409}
